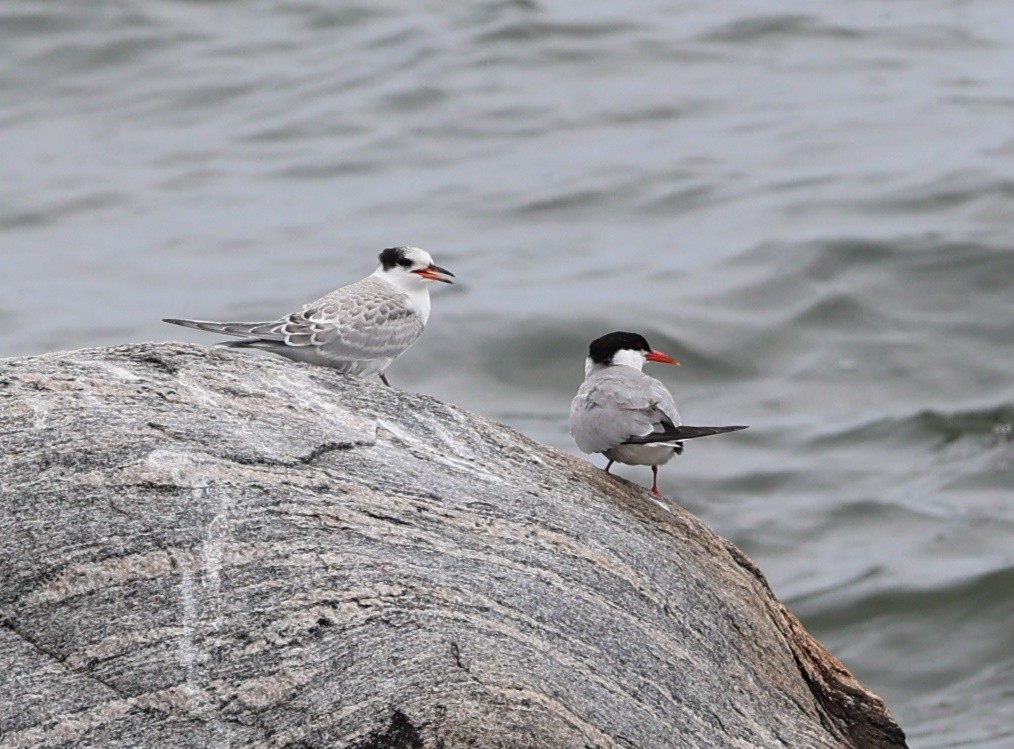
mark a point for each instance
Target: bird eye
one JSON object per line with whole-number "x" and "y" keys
{"x": 405, "y": 262}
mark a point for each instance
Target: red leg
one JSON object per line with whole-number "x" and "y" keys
{"x": 383, "y": 379}
{"x": 654, "y": 481}
{"x": 609, "y": 464}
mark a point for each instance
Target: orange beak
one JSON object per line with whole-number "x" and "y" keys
{"x": 435, "y": 273}
{"x": 661, "y": 358}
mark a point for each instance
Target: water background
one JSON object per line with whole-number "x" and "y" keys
{"x": 810, "y": 204}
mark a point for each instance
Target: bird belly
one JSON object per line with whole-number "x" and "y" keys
{"x": 640, "y": 455}
{"x": 312, "y": 355}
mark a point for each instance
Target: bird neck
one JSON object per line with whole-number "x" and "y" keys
{"x": 419, "y": 300}
{"x": 629, "y": 358}
{"x": 625, "y": 358}
{"x": 416, "y": 289}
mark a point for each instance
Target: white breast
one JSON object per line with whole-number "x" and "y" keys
{"x": 419, "y": 302}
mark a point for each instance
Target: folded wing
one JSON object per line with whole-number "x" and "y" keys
{"x": 362, "y": 321}
{"x": 680, "y": 433}
{"x": 618, "y": 404}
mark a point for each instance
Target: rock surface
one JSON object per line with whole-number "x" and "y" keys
{"x": 201, "y": 548}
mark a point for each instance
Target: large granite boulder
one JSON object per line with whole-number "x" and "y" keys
{"x": 201, "y": 548}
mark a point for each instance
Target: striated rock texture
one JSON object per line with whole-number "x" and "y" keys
{"x": 201, "y": 548}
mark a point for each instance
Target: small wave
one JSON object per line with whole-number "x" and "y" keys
{"x": 912, "y": 282}
{"x": 62, "y": 210}
{"x": 986, "y": 592}
{"x": 843, "y": 310}
{"x": 942, "y": 193}
{"x": 766, "y": 27}
{"x": 317, "y": 17}
{"x": 565, "y": 201}
{"x": 537, "y": 31}
{"x": 682, "y": 200}
{"x": 995, "y": 425}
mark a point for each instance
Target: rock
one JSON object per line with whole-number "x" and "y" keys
{"x": 202, "y": 548}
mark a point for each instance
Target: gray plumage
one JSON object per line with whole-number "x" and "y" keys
{"x": 359, "y": 329}
{"x": 616, "y": 403}
{"x": 623, "y": 413}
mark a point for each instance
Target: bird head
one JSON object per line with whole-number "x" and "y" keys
{"x": 409, "y": 267}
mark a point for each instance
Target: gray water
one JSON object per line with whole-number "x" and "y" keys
{"x": 810, "y": 204}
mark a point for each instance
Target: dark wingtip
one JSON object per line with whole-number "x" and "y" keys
{"x": 682, "y": 433}
{"x": 709, "y": 431}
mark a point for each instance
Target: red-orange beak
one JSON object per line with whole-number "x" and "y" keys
{"x": 435, "y": 273}
{"x": 661, "y": 358}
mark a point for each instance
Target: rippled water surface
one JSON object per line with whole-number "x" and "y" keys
{"x": 811, "y": 205}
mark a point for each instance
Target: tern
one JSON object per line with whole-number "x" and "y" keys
{"x": 359, "y": 329}
{"x": 623, "y": 413}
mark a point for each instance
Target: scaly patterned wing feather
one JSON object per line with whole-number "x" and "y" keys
{"x": 365, "y": 320}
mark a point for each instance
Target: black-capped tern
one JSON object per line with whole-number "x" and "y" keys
{"x": 623, "y": 413}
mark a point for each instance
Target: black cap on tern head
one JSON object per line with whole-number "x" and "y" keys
{"x": 602, "y": 350}
{"x": 393, "y": 256}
